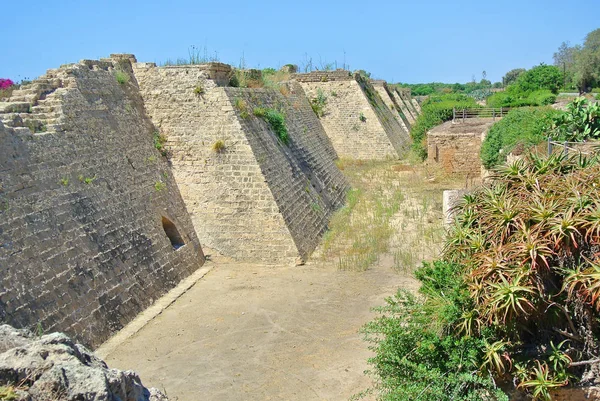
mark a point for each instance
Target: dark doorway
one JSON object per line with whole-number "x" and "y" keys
{"x": 173, "y": 233}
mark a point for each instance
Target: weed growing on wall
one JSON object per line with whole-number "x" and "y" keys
{"x": 121, "y": 77}
{"x": 159, "y": 185}
{"x": 318, "y": 103}
{"x": 362, "y": 117}
{"x": 218, "y": 146}
{"x": 199, "y": 89}
{"x": 242, "y": 106}
{"x": 276, "y": 120}
{"x": 159, "y": 141}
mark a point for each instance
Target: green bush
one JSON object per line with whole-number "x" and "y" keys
{"x": 513, "y": 98}
{"x": 515, "y": 298}
{"x": 418, "y": 352}
{"x": 543, "y": 76}
{"x": 526, "y": 126}
{"x": 276, "y": 120}
{"x": 580, "y": 122}
{"x": 435, "y": 111}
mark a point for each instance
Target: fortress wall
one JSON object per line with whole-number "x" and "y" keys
{"x": 82, "y": 244}
{"x": 406, "y": 107}
{"x": 254, "y": 199}
{"x": 381, "y": 89}
{"x": 346, "y": 104}
{"x": 399, "y": 106}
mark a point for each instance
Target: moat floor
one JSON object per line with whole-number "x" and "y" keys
{"x": 252, "y": 332}
{"x": 256, "y": 332}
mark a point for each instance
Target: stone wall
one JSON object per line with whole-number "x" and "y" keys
{"x": 389, "y": 99}
{"x": 407, "y": 111}
{"x": 250, "y": 196}
{"x": 356, "y": 119}
{"x": 86, "y": 205}
{"x": 455, "y": 147}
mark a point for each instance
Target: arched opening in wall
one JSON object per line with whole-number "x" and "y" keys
{"x": 172, "y": 233}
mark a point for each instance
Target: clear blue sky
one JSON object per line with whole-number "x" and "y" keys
{"x": 408, "y": 41}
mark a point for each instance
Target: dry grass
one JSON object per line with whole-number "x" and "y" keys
{"x": 393, "y": 216}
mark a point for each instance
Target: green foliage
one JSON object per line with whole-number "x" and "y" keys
{"x": 526, "y": 127}
{"x": 581, "y": 121}
{"x": 362, "y": 117}
{"x": 242, "y": 106}
{"x": 86, "y": 180}
{"x": 511, "y": 77}
{"x": 444, "y": 88}
{"x": 276, "y": 120}
{"x": 218, "y": 146}
{"x": 199, "y": 89}
{"x": 515, "y": 298}
{"x": 8, "y": 393}
{"x": 527, "y": 242}
{"x": 121, "y": 77}
{"x": 512, "y": 97}
{"x": 419, "y": 354}
{"x": 64, "y": 182}
{"x": 195, "y": 56}
{"x": 159, "y": 185}
{"x": 540, "y": 77}
{"x": 435, "y": 111}
{"x": 159, "y": 141}
{"x": 318, "y": 103}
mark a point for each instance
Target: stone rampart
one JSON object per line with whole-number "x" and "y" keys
{"x": 388, "y": 97}
{"x": 92, "y": 224}
{"x": 250, "y": 196}
{"x": 324, "y": 76}
{"x": 356, "y": 119}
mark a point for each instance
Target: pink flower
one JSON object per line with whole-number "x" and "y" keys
{"x": 5, "y": 83}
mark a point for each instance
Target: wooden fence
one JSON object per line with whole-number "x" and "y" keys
{"x": 584, "y": 148}
{"x": 484, "y": 112}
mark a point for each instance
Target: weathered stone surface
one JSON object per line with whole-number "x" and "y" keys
{"x": 53, "y": 367}
{"x": 357, "y": 120}
{"x": 82, "y": 244}
{"x": 389, "y": 99}
{"x": 254, "y": 198}
{"x": 455, "y": 147}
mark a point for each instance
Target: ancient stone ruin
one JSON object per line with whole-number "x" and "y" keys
{"x": 115, "y": 172}
{"x": 356, "y": 118}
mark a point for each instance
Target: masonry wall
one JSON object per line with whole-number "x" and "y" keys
{"x": 255, "y": 199}
{"x": 356, "y": 119}
{"x": 403, "y": 99}
{"x": 82, "y": 244}
{"x": 381, "y": 89}
{"x": 455, "y": 153}
{"x": 399, "y": 106}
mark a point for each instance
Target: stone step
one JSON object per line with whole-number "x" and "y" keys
{"x": 15, "y": 107}
{"x": 43, "y": 108}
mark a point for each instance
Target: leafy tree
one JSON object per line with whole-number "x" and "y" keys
{"x": 511, "y": 76}
{"x": 540, "y": 77}
{"x": 564, "y": 59}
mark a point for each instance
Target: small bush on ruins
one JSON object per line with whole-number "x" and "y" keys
{"x": 435, "y": 111}
{"x": 121, "y": 77}
{"x": 515, "y": 299}
{"x": 362, "y": 118}
{"x": 159, "y": 141}
{"x": 318, "y": 103}
{"x": 521, "y": 128}
{"x": 199, "y": 89}
{"x": 218, "y": 146}
{"x": 242, "y": 106}
{"x": 276, "y": 120}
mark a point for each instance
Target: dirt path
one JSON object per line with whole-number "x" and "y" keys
{"x": 255, "y": 332}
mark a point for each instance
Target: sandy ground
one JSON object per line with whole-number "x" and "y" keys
{"x": 255, "y": 332}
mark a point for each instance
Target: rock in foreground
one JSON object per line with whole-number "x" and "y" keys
{"x": 53, "y": 367}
